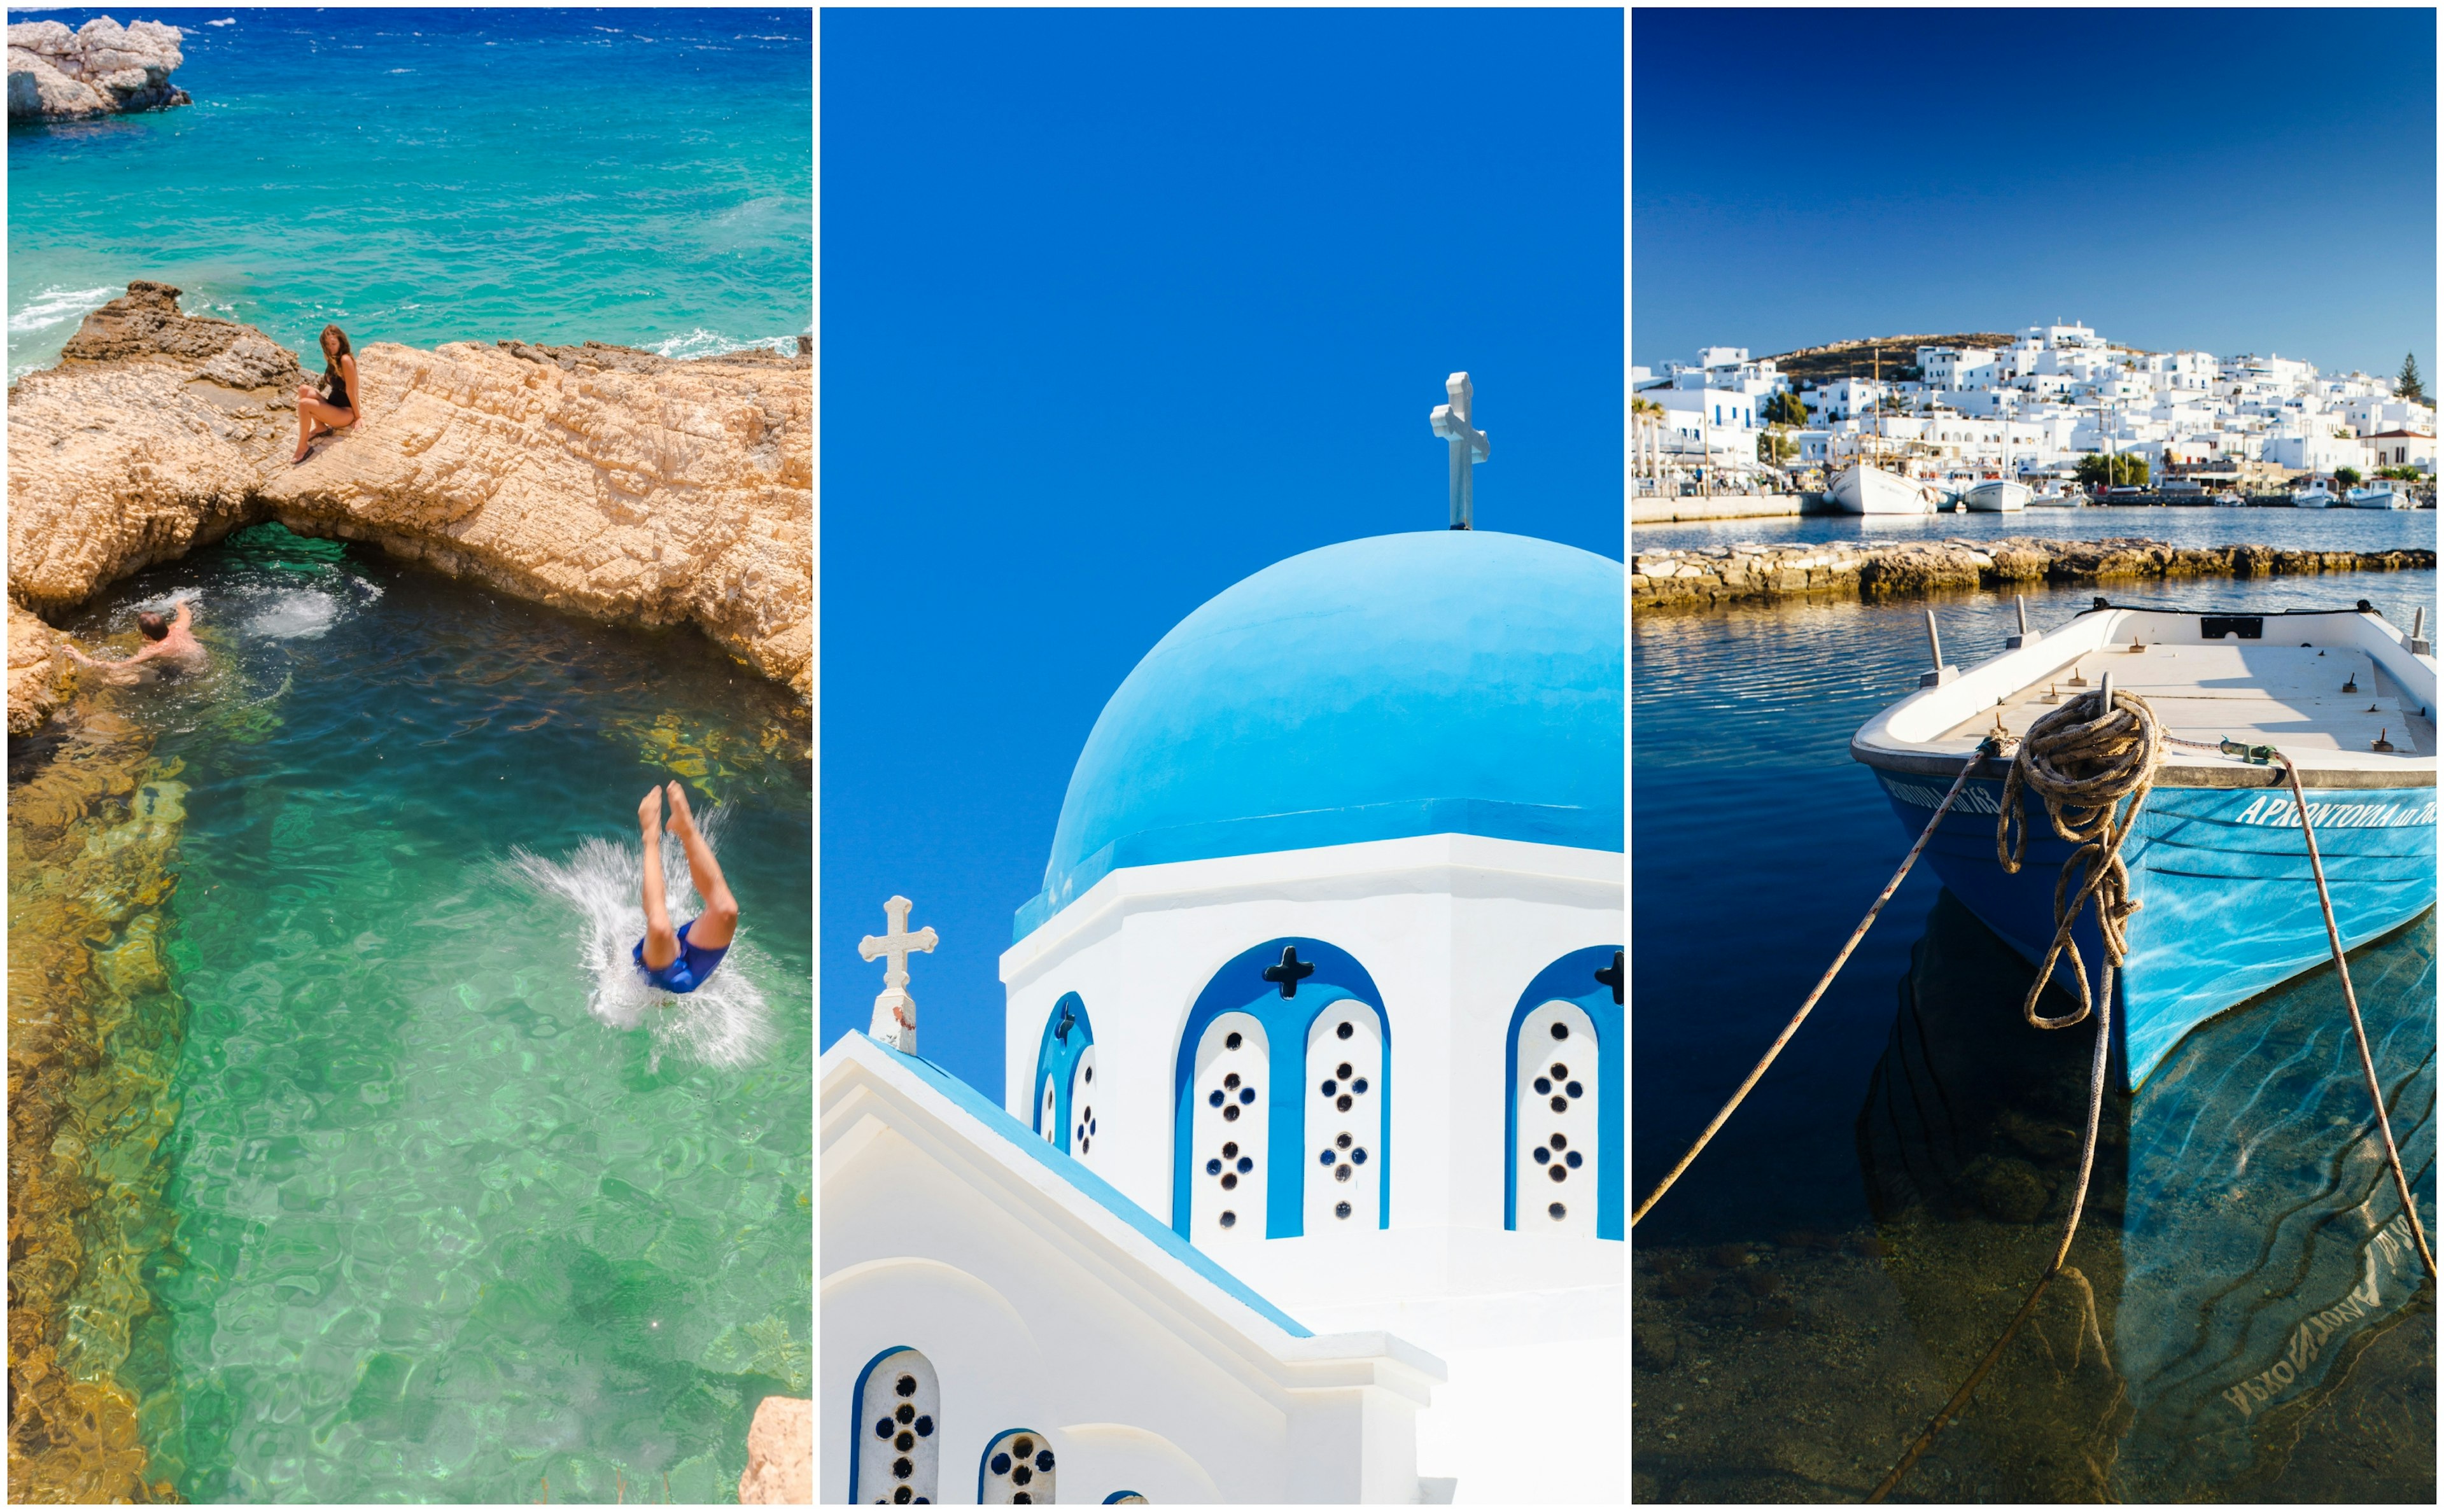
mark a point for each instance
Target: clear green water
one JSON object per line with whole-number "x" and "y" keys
{"x": 644, "y": 177}
{"x": 456, "y": 1211}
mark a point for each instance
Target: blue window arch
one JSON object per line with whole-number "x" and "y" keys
{"x": 1285, "y": 994}
{"x": 1068, "y": 1032}
{"x": 1574, "y": 979}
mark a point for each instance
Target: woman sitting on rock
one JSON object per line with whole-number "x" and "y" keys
{"x": 333, "y": 407}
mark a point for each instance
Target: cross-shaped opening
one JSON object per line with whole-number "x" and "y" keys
{"x": 1290, "y": 972}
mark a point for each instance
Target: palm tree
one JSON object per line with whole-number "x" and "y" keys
{"x": 1645, "y": 416}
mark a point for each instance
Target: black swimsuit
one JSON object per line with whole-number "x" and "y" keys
{"x": 335, "y": 388}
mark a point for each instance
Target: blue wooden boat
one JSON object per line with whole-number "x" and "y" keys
{"x": 2229, "y": 907}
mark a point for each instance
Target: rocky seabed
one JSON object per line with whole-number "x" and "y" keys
{"x": 1712, "y": 576}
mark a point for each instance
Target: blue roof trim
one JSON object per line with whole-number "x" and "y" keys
{"x": 1586, "y": 829}
{"x": 994, "y": 1117}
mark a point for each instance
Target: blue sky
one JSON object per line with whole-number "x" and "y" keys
{"x": 1121, "y": 306}
{"x": 2231, "y": 180}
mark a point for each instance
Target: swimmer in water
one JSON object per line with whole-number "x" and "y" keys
{"x": 174, "y": 649}
{"x": 678, "y": 961}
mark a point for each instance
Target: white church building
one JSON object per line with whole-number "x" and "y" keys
{"x": 1309, "y": 1185}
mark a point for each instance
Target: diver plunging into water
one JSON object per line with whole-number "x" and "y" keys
{"x": 680, "y": 961}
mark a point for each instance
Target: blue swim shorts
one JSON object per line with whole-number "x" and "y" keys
{"x": 687, "y": 972}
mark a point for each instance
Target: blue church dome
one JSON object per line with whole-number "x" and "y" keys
{"x": 1447, "y": 681}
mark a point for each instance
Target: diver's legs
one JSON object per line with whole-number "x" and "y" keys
{"x": 661, "y": 943}
{"x": 714, "y": 928}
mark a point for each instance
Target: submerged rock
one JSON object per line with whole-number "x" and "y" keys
{"x": 101, "y": 68}
{"x": 601, "y": 480}
{"x": 779, "y": 1454}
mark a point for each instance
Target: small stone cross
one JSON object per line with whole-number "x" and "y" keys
{"x": 1467, "y": 446}
{"x": 1290, "y": 972}
{"x": 895, "y": 1011}
{"x": 1613, "y": 977}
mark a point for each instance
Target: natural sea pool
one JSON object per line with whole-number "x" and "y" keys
{"x": 1825, "y": 1277}
{"x": 450, "y": 1209}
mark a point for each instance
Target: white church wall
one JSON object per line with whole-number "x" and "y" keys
{"x": 1038, "y": 1308}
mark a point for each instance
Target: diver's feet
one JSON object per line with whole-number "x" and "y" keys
{"x": 649, "y": 812}
{"x": 682, "y": 818}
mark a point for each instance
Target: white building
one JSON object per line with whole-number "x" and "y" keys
{"x": 2402, "y": 449}
{"x": 1309, "y": 1178}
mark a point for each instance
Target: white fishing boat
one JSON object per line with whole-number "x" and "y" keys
{"x": 2377, "y": 495}
{"x": 2229, "y": 911}
{"x": 2229, "y": 500}
{"x": 2315, "y": 496}
{"x": 1999, "y": 496}
{"x": 1864, "y": 489}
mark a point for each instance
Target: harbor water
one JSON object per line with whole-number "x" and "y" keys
{"x": 2242, "y": 1319}
{"x": 409, "y": 1196}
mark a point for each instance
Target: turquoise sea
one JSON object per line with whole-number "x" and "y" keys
{"x": 643, "y": 177}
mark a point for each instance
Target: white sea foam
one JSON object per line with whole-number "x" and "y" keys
{"x": 224, "y": 21}
{"x": 54, "y": 305}
{"x": 701, "y": 343}
{"x": 723, "y": 1023}
{"x": 294, "y": 613}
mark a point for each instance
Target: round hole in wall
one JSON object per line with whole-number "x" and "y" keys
{"x": 1576, "y": 1160}
{"x": 1213, "y": 1168}
{"x": 1020, "y": 1475}
{"x": 1561, "y": 1031}
{"x": 1022, "y": 1447}
{"x": 1001, "y": 1464}
{"x": 924, "y": 1428}
{"x": 1230, "y": 1179}
{"x": 905, "y": 1413}
{"x": 1359, "y": 1086}
{"x": 1359, "y": 1154}
{"x": 1090, "y": 1072}
{"x": 1345, "y": 1030}
{"x": 1559, "y": 1142}
{"x": 883, "y": 1429}
{"x": 1544, "y": 1084}
{"x": 1329, "y": 1087}
{"x": 1215, "y": 1099}
{"x": 1341, "y": 1140}
{"x": 1575, "y": 1089}
{"x": 1084, "y": 1144}
{"x": 901, "y": 1496}
{"x": 906, "y": 1386}
{"x": 902, "y": 1469}
{"x": 1340, "y": 1172}
{"x": 1342, "y": 1102}
{"x": 1247, "y": 1094}
{"x": 1246, "y": 1163}
{"x": 1230, "y": 1149}
{"x": 1557, "y": 1213}
{"x": 1230, "y": 1111}
{"x": 1341, "y": 1209}
{"x": 1044, "y": 1459}
{"x": 1557, "y": 1171}
{"x": 1324, "y": 1157}
{"x": 1090, "y": 1122}
{"x": 1231, "y": 1079}
{"x": 1560, "y": 1104}
{"x": 1543, "y": 1154}
{"x": 1229, "y": 1218}
{"x": 1231, "y": 1042}
{"x": 1559, "y": 1072}
{"x": 1344, "y": 1072}
{"x": 1021, "y": 1498}
{"x": 906, "y": 1441}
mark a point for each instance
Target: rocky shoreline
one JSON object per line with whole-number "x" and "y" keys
{"x": 601, "y": 480}
{"x": 1715, "y": 576}
{"x": 101, "y": 68}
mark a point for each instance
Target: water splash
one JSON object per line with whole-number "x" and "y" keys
{"x": 725, "y": 1022}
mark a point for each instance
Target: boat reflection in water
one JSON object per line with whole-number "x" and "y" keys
{"x": 2242, "y": 1241}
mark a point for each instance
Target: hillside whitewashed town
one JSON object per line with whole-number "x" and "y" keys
{"x": 2030, "y": 410}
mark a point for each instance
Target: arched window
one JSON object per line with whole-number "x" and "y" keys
{"x": 1286, "y": 1003}
{"x": 1231, "y": 1146}
{"x": 899, "y": 1404}
{"x": 1564, "y": 1172}
{"x": 1068, "y": 1040}
{"x": 1345, "y": 1126}
{"x": 1017, "y": 1470}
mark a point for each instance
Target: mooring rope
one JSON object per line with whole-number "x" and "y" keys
{"x": 2083, "y": 759}
{"x": 1990, "y": 747}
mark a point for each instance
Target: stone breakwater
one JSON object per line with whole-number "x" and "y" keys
{"x": 101, "y": 68}
{"x": 600, "y": 480}
{"x": 1721, "y": 575}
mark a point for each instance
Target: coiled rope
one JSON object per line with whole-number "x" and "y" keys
{"x": 2083, "y": 760}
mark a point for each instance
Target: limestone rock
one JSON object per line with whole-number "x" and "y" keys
{"x": 101, "y": 68}
{"x": 37, "y": 678}
{"x": 601, "y": 480}
{"x": 779, "y": 1454}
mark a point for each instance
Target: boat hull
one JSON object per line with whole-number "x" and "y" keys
{"x": 2375, "y": 499}
{"x": 2312, "y": 500}
{"x": 1999, "y": 497}
{"x": 2229, "y": 907}
{"x": 1873, "y": 491}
